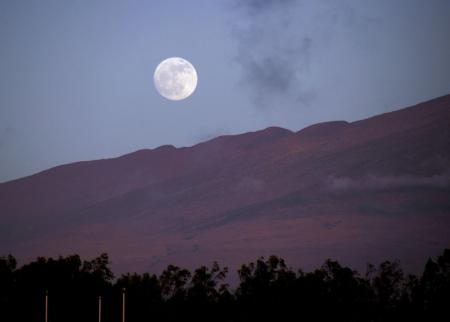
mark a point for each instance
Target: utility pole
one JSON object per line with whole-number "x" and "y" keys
{"x": 123, "y": 304}
{"x": 99, "y": 309}
{"x": 46, "y": 305}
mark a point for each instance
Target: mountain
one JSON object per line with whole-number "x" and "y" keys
{"x": 363, "y": 191}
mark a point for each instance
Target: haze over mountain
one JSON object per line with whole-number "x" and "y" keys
{"x": 368, "y": 190}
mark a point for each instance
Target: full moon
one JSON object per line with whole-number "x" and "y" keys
{"x": 175, "y": 78}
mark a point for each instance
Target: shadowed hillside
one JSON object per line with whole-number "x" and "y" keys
{"x": 372, "y": 189}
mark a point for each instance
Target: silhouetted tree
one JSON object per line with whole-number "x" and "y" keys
{"x": 8, "y": 266}
{"x": 204, "y": 292}
{"x": 73, "y": 288}
{"x": 144, "y": 296}
{"x": 435, "y": 283}
{"x": 174, "y": 282}
{"x": 388, "y": 286}
{"x": 346, "y": 295}
{"x": 268, "y": 291}
{"x": 264, "y": 289}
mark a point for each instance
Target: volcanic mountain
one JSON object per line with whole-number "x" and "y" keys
{"x": 363, "y": 191}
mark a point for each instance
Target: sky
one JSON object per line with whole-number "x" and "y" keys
{"x": 76, "y": 77}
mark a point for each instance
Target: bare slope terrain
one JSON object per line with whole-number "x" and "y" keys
{"x": 364, "y": 191}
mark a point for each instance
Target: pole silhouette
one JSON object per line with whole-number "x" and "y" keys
{"x": 99, "y": 309}
{"x": 46, "y": 305}
{"x": 123, "y": 305}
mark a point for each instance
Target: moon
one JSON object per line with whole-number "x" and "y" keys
{"x": 175, "y": 78}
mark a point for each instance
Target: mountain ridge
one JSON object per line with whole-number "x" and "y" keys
{"x": 235, "y": 197}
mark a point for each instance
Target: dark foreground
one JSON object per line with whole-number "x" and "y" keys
{"x": 268, "y": 291}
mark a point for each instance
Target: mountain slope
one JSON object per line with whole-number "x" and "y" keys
{"x": 358, "y": 191}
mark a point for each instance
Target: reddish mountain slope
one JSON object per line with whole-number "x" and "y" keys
{"x": 369, "y": 190}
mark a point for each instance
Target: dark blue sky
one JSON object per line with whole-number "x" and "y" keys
{"x": 76, "y": 77}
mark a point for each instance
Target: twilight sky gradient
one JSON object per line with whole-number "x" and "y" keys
{"x": 76, "y": 77}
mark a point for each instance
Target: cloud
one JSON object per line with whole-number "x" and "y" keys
{"x": 250, "y": 185}
{"x": 272, "y": 51}
{"x": 282, "y": 46}
{"x": 258, "y": 7}
{"x": 372, "y": 182}
{"x": 6, "y": 134}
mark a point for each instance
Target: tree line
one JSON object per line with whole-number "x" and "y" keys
{"x": 268, "y": 290}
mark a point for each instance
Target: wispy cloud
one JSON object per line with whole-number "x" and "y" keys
{"x": 373, "y": 182}
{"x": 278, "y": 42}
{"x": 272, "y": 52}
{"x": 6, "y": 134}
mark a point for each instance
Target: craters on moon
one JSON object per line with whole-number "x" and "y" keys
{"x": 175, "y": 78}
